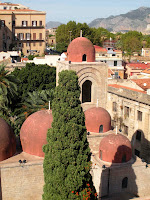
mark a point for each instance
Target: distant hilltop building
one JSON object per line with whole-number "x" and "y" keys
{"x": 11, "y": 6}
{"x": 22, "y": 29}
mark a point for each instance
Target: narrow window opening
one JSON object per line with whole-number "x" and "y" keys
{"x": 101, "y": 129}
{"x": 124, "y": 158}
{"x": 138, "y": 135}
{"x": 84, "y": 57}
{"x": 86, "y": 91}
{"x": 125, "y": 182}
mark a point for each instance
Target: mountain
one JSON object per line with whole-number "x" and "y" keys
{"x": 52, "y": 24}
{"x": 138, "y": 20}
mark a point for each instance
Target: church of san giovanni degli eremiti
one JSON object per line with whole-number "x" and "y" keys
{"x": 117, "y": 173}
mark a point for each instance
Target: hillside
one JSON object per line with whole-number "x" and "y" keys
{"x": 138, "y": 20}
{"x": 52, "y": 24}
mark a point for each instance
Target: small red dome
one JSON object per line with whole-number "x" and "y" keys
{"x": 34, "y": 132}
{"x": 97, "y": 120}
{"x": 81, "y": 49}
{"x": 115, "y": 149}
{"x": 7, "y": 141}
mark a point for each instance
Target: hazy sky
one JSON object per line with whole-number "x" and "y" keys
{"x": 82, "y": 10}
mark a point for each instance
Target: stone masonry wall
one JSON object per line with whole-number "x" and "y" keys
{"x": 95, "y": 72}
{"x": 24, "y": 182}
{"x": 136, "y": 102}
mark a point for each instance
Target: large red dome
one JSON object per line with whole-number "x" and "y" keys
{"x": 81, "y": 49}
{"x": 97, "y": 120}
{"x": 7, "y": 141}
{"x": 34, "y": 132}
{"x": 115, "y": 149}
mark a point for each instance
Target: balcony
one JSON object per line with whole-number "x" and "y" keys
{"x": 30, "y": 40}
{"x": 29, "y": 27}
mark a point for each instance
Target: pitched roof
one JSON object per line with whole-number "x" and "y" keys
{"x": 124, "y": 87}
{"x": 138, "y": 65}
{"x": 20, "y": 11}
{"x": 100, "y": 49}
{"x": 11, "y": 4}
{"x": 143, "y": 83}
{"x": 146, "y": 71}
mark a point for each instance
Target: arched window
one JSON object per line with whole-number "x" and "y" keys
{"x": 101, "y": 129}
{"x": 84, "y": 57}
{"x": 124, "y": 158}
{"x": 138, "y": 135}
{"x": 125, "y": 182}
{"x": 86, "y": 91}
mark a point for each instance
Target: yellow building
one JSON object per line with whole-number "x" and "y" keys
{"x": 51, "y": 37}
{"x": 23, "y": 29}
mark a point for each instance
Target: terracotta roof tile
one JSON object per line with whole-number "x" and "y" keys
{"x": 9, "y": 4}
{"x": 143, "y": 83}
{"x": 121, "y": 86}
{"x": 138, "y": 65}
{"x": 19, "y": 10}
{"x": 110, "y": 72}
{"x": 146, "y": 71}
{"x": 99, "y": 49}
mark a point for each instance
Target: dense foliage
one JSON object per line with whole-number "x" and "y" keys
{"x": 72, "y": 30}
{"x": 25, "y": 91}
{"x": 67, "y": 154}
{"x": 34, "y": 77}
{"x": 8, "y": 90}
{"x": 129, "y": 42}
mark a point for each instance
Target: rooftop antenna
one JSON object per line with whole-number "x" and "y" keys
{"x": 49, "y": 105}
{"x": 80, "y": 33}
{"x": 97, "y": 103}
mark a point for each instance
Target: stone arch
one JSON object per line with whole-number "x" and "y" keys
{"x": 90, "y": 75}
{"x": 89, "y": 71}
{"x": 86, "y": 91}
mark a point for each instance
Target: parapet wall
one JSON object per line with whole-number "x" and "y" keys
{"x": 130, "y": 94}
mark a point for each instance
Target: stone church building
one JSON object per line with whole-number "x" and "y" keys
{"x": 117, "y": 173}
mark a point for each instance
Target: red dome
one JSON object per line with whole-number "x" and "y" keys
{"x": 34, "y": 132}
{"x": 115, "y": 149}
{"x": 81, "y": 49}
{"x": 97, "y": 120}
{"x": 7, "y": 141}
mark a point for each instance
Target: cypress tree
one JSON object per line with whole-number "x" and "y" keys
{"x": 67, "y": 154}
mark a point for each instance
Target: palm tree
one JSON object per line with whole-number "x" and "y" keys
{"x": 37, "y": 100}
{"x": 8, "y": 88}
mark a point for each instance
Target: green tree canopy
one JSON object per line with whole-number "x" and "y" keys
{"x": 67, "y": 154}
{"x": 35, "y": 77}
{"x": 131, "y": 42}
{"x": 8, "y": 89}
{"x": 95, "y": 35}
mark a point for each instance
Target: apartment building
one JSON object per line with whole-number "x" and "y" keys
{"x": 112, "y": 57}
{"x": 130, "y": 111}
{"x": 22, "y": 29}
{"x": 133, "y": 70}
